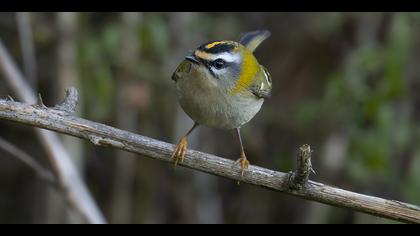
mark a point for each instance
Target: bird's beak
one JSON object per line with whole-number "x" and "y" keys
{"x": 192, "y": 59}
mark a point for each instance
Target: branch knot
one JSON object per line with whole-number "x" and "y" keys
{"x": 70, "y": 101}
{"x": 300, "y": 177}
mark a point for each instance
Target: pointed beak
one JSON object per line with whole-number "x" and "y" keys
{"x": 192, "y": 59}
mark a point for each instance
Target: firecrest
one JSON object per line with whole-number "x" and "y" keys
{"x": 222, "y": 85}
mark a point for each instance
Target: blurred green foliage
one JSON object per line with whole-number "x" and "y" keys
{"x": 345, "y": 83}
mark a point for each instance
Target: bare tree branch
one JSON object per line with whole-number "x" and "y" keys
{"x": 103, "y": 135}
{"x": 304, "y": 167}
{"x": 70, "y": 181}
{"x": 29, "y": 161}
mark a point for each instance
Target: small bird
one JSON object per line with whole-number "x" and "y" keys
{"x": 222, "y": 85}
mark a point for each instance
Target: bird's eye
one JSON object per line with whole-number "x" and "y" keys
{"x": 219, "y": 64}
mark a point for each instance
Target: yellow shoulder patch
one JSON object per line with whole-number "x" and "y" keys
{"x": 250, "y": 69}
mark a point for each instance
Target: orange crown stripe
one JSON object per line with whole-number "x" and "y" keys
{"x": 202, "y": 55}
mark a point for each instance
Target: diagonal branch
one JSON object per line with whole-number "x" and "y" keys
{"x": 103, "y": 135}
{"x": 29, "y": 161}
{"x": 68, "y": 178}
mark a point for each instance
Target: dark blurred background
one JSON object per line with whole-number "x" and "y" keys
{"x": 345, "y": 83}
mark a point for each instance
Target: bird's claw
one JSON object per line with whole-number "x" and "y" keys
{"x": 180, "y": 151}
{"x": 244, "y": 163}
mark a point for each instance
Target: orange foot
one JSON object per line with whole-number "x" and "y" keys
{"x": 243, "y": 162}
{"x": 180, "y": 150}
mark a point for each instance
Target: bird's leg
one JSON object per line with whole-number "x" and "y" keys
{"x": 242, "y": 160}
{"x": 181, "y": 147}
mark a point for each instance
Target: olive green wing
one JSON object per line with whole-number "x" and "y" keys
{"x": 262, "y": 84}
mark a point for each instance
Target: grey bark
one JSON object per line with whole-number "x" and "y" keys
{"x": 125, "y": 170}
{"x": 70, "y": 181}
{"x": 103, "y": 135}
{"x": 67, "y": 75}
{"x": 300, "y": 177}
{"x": 207, "y": 202}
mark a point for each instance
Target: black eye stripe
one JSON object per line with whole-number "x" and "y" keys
{"x": 212, "y": 63}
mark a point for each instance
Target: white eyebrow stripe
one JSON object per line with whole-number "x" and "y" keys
{"x": 228, "y": 57}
